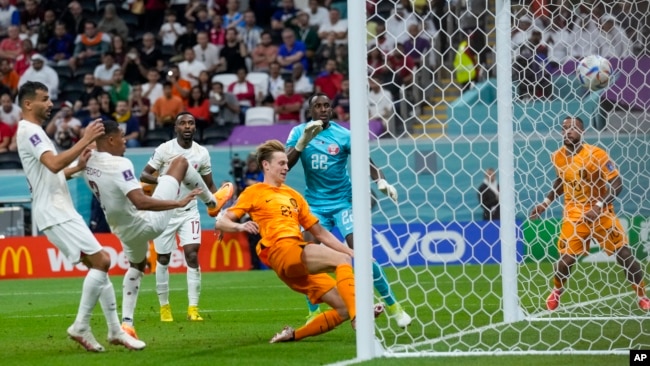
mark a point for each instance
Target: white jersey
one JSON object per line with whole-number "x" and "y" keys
{"x": 110, "y": 178}
{"x": 51, "y": 201}
{"x": 197, "y": 156}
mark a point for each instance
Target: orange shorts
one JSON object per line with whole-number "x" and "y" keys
{"x": 607, "y": 231}
{"x": 284, "y": 258}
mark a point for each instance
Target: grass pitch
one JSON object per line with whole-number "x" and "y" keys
{"x": 242, "y": 311}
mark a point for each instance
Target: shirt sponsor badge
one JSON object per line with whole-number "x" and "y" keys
{"x": 35, "y": 140}
{"x": 128, "y": 175}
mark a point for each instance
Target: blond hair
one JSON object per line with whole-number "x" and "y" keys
{"x": 265, "y": 151}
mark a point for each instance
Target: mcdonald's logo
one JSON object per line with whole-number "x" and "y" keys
{"x": 226, "y": 248}
{"x": 15, "y": 260}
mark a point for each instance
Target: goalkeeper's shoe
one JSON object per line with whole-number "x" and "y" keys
{"x": 86, "y": 339}
{"x": 126, "y": 340}
{"x": 148, "y": 188}
{"x": 221, "y": 196}
{"x": 129, "y": 329}
{"x": 644, "y": 303}
{"x": 193, "y": 313}
{"x": 166, "y": 313}
{"x": 286, "y": 335}
{"x": 312, "y": 315}
{"x": 402, "y": 319}
{"x": 553, "y": 300}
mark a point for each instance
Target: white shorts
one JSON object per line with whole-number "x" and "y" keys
{"x": 187, "y": 224}
{"x": 73, "y": 237}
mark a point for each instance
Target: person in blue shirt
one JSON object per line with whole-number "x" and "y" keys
{"x": 323, "y": 146}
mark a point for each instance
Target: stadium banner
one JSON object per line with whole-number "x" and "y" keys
{"x": 541, "y": 239}
{"x": 414, "y": 244}
{"x": 36, "y": 257}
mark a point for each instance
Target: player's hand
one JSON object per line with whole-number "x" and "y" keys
{"x": 593, "y": 213}
{"x": 250, "y": 227}
{"x": 537, "y": 211}
{"x": 387, "y": 189}
{"x": 312, "y": 129}
{"x": 148, "y": 188}
{"x": 94, "y": 130}
{"x": 83, "y": 158}
{"x": 190, "y": 196}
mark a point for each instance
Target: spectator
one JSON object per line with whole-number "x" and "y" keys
{"x": 217, "y": 32}
{"x": 341, "y": 103}
{"x": 60, "y": 47}
{"x": 253, "y": 174}
{"x": 150, "y": 54}
{"x": 94, "y": 112}
{"x": 401, "y": 66}
{"x": 233, "y": 18}
{"x": 64, "y": 128}
{"x": 612, "y": 42}
{"x": 180, "y": 87}
{"x": 104, "y": 72}
{"x": 417, "y": 46}
{"x": 39, "y": 71}
{"x": 167, "y": 107}
{"x": 155, "y": 14}
{"x": 118, "y": 47}
{"x": 9, "y": 15}
{"x": 171, "y": 30}
{"x": 380, "y": 103}
{"x": 307, "y": 34}
{"x": 289, "y": 104}
{"x": 127, "y": 123}
{"x": 466, "y": 67}
{"x": 530, "y": 69}
{"x": 132, "y": 67}
{"x": 204, "y": 83}
{"x": 318, "y": 15}
{"x": 191, "y": 67}
{"x": 153, "y": 89}
{"x": 46, "y": 30}
{"x": 10, "y": 77}
{"x": 10, "y": 113}
{"x": 276, "y": 81}
{"x": 233, "y": 53}
{"x": 185, "y": 41}
{"x": 301, "y": 83}
{"x": 326, "y": 51}
{"x": 6, "y": 138}
{"x": 335, "y": 26}
{"x": 520, "y": 34}
{"x": 74, "y": 19}
{"x": 24, "y": 60}
{"x": 90, "y": 91}
{"x": 198, "y": 105}
{"x": 198, "y": 15}
{"x": 488, "y": 196}
{"x": 31, "y": 17}
{"x": 560, "y": 39}
{"x": 224, "y": 107}
{"x": 329, "y": 80}
{"x": 206, "y": 52}
{"x": 106, "y": 106}
{"x": 397, "y": 24}
{"x": 89, "y": 46}
{"x": 291, "y": 51}
{"x": 265, "y": 53}
{"x": 113, "y": 24}
{"x": 244, "y": 91}
{"x": 12, "y": 46}
{"x": 140, "y": 107}
{"x": 283, "y": 15}
{"x": 250, "y": 33}
{"x": 120, "y": 89}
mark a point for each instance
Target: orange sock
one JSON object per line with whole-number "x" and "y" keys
{"x": 559, "y": 284}
{"x": 639, "y": 289}
{"x": 322, "y": 323}
{"x": 345, "y": 285}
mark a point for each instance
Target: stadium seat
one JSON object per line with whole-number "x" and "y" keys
{"x": 154, "y": 138}
{"x": 86, "y": 68}
{"x": 260, "y": 116}
{"x": 10, "y": 160}
{"x": 225, "y": 79}
{"x": 215, "y": 134}
{"x": 261, "y": 82}
{"x": 62, "y": 71}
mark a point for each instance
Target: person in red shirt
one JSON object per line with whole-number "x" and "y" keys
{"x": 199, "y": 106}
{"x": 288, "y": 105}
{"x": 329, "y": 81}
{"x": 243, "y": 90}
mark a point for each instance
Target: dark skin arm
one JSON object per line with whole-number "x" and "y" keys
{"x": 556, "y": 191}
{"x": 147, "y": 176}
{"x": 56, "y": 163}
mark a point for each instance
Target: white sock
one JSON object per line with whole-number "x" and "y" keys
{"x": 162, "y": 283}
{"x": 193, "y": 180}
{"x": 92, "y": 287}
{"x": 109, "y": 307}
{"x": 130, "y": 288}
{"x": 193, "y": 285}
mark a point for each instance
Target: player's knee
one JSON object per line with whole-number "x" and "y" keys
{"x": 163, "y": 259}
{"x": 345, "y": 259}
{"x": 192, "y": 258}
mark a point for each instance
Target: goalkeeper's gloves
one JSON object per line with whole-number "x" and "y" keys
{"x": 312, "y": 129}
{"x": 387, "y": 189}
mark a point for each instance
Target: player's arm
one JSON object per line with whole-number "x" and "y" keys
{"x": 328, "y": 239}
{"x": 145, "y": 203}
{"x": 147, "y": 175}
{"x": 312, "y": 129}
{"x": 292, "y": 155}
{"x": 615, "y": 187}
{"x": 229, "y": 223}
{"x": 80, "y": 166}
{"x": 56, "y": 163}
{"x": 382, "y": 184}
{"x": 556, "y": 191}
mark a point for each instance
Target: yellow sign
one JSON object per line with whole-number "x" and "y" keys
{"x": 226, "y": 247}
{"x": 15, "y": 254}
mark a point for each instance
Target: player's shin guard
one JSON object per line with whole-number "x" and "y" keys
{"x": 381, "y": 284}
{"x": 162, "y": 283}
{"x": 345, "y": 286}
{"x": 322, "y": 323}
{"x": 92, "y": 287}
{"x": 130, "y": 288}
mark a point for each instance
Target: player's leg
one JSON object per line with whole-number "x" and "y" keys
{"x": 326, "y": 221}
{"x": 164, "y": 245}
{"x": 573, "y": 241}
{"x": 136, "y": 253}
{"x": 189, "y": 234}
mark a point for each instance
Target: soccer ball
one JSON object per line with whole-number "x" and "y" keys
{"x": 594, "y": 71}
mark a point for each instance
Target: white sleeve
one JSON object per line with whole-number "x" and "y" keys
{"x": 126, "y": 181}
{"x": 205, "y": 166}
{"x": 157, "y": 160}
{"x": 39, "y": 143}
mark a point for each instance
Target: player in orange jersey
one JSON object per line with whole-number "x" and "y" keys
{"x": 590, "y": 182}
{"x": 278, "y": 212}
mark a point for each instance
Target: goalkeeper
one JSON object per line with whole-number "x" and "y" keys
{"x": 324, "y": 148}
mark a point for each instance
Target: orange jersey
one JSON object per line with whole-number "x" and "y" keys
{"x": 279, "y": 211}
{"x": 584, "y": 178}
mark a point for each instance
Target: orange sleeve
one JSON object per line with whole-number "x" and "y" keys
{"x": 306, "y": 219}
{"x": 605, "y": 164}
{"x": 244, "y": 203}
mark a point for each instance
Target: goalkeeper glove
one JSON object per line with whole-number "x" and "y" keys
{"x": 387, "y": 189}
{"x": 312, "y": 129}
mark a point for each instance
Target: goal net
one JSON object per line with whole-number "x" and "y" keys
{"x": 474, "y": 285}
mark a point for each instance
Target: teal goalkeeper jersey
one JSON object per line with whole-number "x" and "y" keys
{"x": 325, "y": 162}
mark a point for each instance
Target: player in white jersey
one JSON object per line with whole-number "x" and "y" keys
{"x": 186, "y": 222}
{"x": 56, "y": 217}
{"x": 132, "y": 215}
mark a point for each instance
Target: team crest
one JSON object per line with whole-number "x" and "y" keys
{"x": 293, "y": 203}
{"x": 128, "y": 175}
{"x": 333, "y": 149}
{"x": 35, "y": 140}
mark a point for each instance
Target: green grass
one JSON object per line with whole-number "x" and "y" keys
{"x": 243, "y": 310}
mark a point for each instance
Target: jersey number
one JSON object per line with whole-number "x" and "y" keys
{"x": 95, "y": 189}
{"x": 319, "y": 162}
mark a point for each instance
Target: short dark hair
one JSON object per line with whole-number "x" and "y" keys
{"x": 313, "y": 97}
{"x": 168, "y": 84}
{"x": 184, "y": 113}
{"x": 28, "y": 91}
{"x": 110, "y": 127}
{"x": 577, "y": 119}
